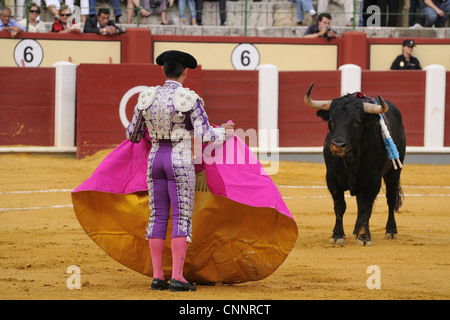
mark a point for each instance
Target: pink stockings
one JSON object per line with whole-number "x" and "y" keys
{"x": 156, "y": 250}
{"x": 179, "y": 248}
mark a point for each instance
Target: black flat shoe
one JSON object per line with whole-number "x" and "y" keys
{"x": 177, "y": 286}
{"x": 158, "y": 284}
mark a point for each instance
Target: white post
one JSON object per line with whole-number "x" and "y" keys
{"x": 350, "y": 78}
{"x": 434, "y": 106}
{"x": 65, "y": 94}
{"x": 268, "y": 108}
{"x": 268, "y": 135}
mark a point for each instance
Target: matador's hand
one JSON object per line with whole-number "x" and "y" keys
{"x": 229, "y": 129}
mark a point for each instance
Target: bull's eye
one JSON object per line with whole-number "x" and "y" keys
{"x": 357, "y": 123}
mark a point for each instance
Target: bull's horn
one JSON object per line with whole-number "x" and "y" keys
{"x": 317, "y": 104}
{"x": 376, "y": 108}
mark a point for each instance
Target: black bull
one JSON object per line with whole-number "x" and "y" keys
{"x": 356, "y": 159}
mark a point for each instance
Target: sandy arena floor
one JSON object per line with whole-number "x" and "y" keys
{"x": 40, "y": 238}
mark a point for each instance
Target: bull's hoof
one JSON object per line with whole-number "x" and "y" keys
{"x": 364, "y": 240}
{"x": 364, "y": 243}
{"x": 340, "y": 241}
{"x": 389, "y": 235}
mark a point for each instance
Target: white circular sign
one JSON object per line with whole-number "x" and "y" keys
{"x": 245, "y": 57}
{"x": 28, "y": 53}
{"x": 124, "y": 101}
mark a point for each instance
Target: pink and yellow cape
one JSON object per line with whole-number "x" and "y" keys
{"x": 241, "y": 228}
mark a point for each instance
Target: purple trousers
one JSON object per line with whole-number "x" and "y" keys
{"x": 171, "y": 179}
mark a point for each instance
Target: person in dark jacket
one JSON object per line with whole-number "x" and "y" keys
{"x": 406, "y": 61}
{"x": 101, "y": 24}
{"x": 322, "y": 28}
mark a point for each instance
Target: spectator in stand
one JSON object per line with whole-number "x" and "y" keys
{"x": 130, "y": 8}
{"x": 191, "y": 6}
{"x": 61, "y": 24}
{"x": 34, "y": 25}
{"x": 11, "y": 4}
{"x": 222, "y": 11}
{"x": 84, "y": 10}
{"x": 8, "y": 24}
{"x": 412, "y": 14}
{"x": 115, "y": 4}
{"x": 322, "y": 28}
{"x": 406, "y": 61}
{"x": 148, "y": 7}
{"x": 101, "y": 24}
{"x": 388, "y": 17}
{"x": 55, "y": 5}
{"x": 347, "y": 7}
{"x": 303, "y": 6}
{"x": 21, "y": 7}
{"x": 436, "y": 12}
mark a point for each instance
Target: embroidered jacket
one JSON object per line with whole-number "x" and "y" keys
{"x": 171, "y": 112}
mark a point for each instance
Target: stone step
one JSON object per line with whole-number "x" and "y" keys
{"x": 267, "y": 13}
{"x": 260, "y": 13}
{"x": 282, "y": 31}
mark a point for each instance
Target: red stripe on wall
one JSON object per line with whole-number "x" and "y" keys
{"x": 100, "y": 88}
{"x": 298, "y": 124}
{"x": 27, "y": 106}
{"x": 405, "y": 89}
{"x": 231, "y": 95}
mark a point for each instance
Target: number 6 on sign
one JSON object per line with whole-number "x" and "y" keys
{"x": 245, "y": 57}
{"x": 28, "y": 53}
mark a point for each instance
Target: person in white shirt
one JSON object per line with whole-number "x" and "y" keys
{"x": 34, "y": 25}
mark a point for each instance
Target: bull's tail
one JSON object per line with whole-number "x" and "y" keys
{"x": 399, "y": 198}
{"x": 394, "y": 191}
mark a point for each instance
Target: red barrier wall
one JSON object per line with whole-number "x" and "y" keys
{"x": 298, "y": 124}
{"x": 136, "y": 46}
{"x": 100, "y": 89}
{"x": 27, "y": 106}
{"x": 355, "y": 49}
{"x": 27, "y": 102}
{"x": 231, "y": 95}
{"x": 228, "y": 95}
{"x": 407, "y": 91}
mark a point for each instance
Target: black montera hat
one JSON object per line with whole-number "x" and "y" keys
{"x": 182, "y": 57}
{"x": 409, "y": 43}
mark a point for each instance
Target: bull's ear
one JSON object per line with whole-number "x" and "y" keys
{"x": 324, "y": 114}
